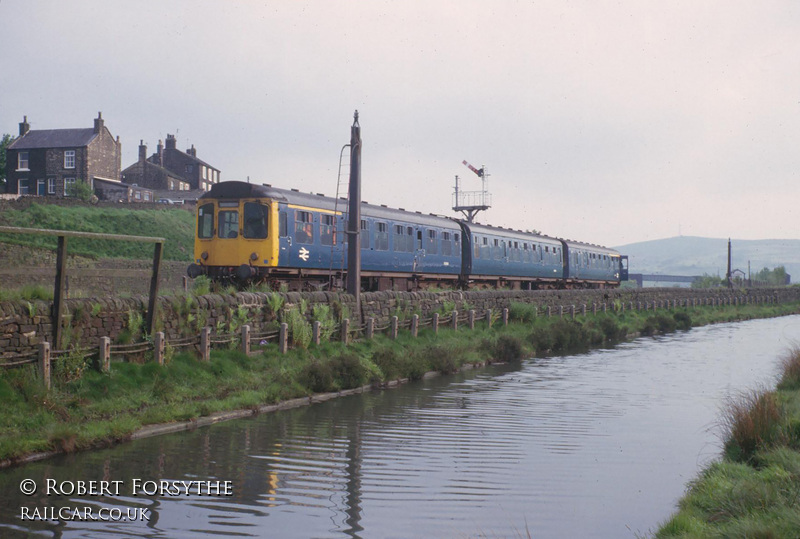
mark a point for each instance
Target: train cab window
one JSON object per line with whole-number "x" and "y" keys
{"x": 381, "y": 236}
{"x": 430, "y": 244}
{"x": 303, "y": 227}
{"x": 364, "y": 234}
{"x": 327, "y": 229}
{"x": 228, "y": 224}
{"x": 255, "y": 220}
{"x": 205, "y": 221}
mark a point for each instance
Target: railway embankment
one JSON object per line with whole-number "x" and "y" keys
{"x": 24, "y": 325}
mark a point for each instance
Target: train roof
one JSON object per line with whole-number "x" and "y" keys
{"x": 236, "y": 189}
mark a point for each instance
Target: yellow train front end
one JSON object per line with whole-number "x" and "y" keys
{"x": 236, "y": 233}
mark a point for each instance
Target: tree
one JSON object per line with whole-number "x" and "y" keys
{"x": 4, "y": 142}
{"x": 708, "y": 281}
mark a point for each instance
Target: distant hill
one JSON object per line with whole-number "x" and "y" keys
{"x": 691, "y": 255}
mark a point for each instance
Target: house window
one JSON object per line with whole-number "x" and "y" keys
{"x": 69, "y": 159}
{"x": 22, "y": 189}
{"x": 51, "y": 186}
{"x": 189, "y": 169}
{"x": 69, "y": 185}
{"x": 22, "y": 161}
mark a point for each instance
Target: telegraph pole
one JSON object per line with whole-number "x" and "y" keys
{"x": 354, "y": 215}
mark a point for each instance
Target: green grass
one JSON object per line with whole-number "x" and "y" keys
{"x": 754, "y": 491}
{"x": 175, "y": 225}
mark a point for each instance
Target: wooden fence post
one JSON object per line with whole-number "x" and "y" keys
{"x": 489, "y": 318}
{"x": 205, "y": 344}
{"x": 105, "y": 354}
{"x": 246, "y": 339}
{"x": 505, "y": 317}
{"x": 158, "y": 347}
{"x": 415, "y": 325}
{"x": 394, "y": 328}
{"x": 471, "y": 318}
{"x": 283, "y": 339}
{"x": 316, "y": 330}
{"x": 455, "y": 320}
{"x": 346, "y": 330}
{"x": 370, "y": 328}
{"x": 44, "y": 363}
{"x": 435, "y": 323}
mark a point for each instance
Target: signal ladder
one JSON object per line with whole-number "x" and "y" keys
{"x": 342, "y": 186}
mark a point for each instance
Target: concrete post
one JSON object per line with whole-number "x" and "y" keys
{"x": 572, "y": 311}
{"x": 489, "y": 317}
{"x": 370, "y": 328}
{"x": 346, "y": 331}
{"x": 105, "y": 354}
{"x": 435, "y": 323}
{"x": 471, "y": 318}
{"x": 283, "y": 338}
{"x": 549, "y": 311}
{"x": 246, "y": 339}
{"x": 505, "y": 317}
{"x": 205, "y": 344}
{"x": 454, "y": 320}
{"x": 415, "y": 325}
{"x": 44, "y": 364}
{"x": 159, "y": 347}
{"x": 316, "y": 330}
{"x": 394, "y": 328}
{"x": 561, "y": 311}
{"x": 605, "y": 307}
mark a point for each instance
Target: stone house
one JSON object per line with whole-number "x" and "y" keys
{"x": 171, "y": 169}
{"x": 45, "y": 161}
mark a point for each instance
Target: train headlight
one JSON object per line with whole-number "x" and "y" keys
{"x": 204, "y": 255}
{"x": 253, "y": 256}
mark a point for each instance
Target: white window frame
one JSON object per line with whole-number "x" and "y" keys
{"x": 51, "y": 186}
{"x": 69, "y": 158}
{"x": 67, "y": 182}
{"x": 25, "y": 161}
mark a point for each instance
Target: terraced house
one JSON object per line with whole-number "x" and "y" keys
{"x": 46, "y": 161}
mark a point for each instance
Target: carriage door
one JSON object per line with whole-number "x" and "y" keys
{"x": 284, "y": 240}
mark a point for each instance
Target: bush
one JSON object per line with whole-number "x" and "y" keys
{"x": 349, "y": 371}
{"x": 508, "y": 348}
{"x": 522, "y": 312}
{"x": 790, "y": 367}
{"x": 318, "y": 376}
{"x": 440, "y": 357}
{"x": 682, "y": 320}
{"x": 541, "y": 339}
{"x": 751, "y": 422}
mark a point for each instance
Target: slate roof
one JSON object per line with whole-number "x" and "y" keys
{"x": 54, "y": 138}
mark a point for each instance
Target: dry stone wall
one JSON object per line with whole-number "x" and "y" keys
{"x": 24, "y": 325}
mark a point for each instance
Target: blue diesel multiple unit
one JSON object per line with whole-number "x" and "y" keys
{"x": 249, "y": 232}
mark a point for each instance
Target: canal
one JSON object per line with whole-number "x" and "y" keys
{"x": 592, "y": 445}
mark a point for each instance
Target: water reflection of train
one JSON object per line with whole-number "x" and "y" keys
{"x": 250, "y": 233}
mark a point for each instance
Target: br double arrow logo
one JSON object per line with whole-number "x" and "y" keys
{"x": 304, "y": 254}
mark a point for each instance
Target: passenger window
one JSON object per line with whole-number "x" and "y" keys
{"x": 327, "y": 229}
{"x": 205, "y": 221}
{"x": 303, "y": 227}
{"x": 381, "y": 237}
{"x": 364, "y": 234}
{"x": 228, "y": 226}
{"x": 255, "y": 220}
{"x": 283, "y": 226}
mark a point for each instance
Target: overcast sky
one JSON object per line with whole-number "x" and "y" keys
{"x": 608, "y": 122}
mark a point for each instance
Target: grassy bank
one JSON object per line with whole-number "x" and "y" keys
{"x": 754, "y": 490}
{"x": 86, "y": 409}
{"x": 176, "y": 225}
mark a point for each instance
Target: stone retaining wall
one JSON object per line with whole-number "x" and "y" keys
{"x": 23, "y": 324}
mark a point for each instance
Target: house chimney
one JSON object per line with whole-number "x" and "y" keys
{"x": 171, "y": 142}
{"x": 191, "y": 151}
{"x": 160, "y": 154}
{"x": 142, "y": 152}
{"x": 24, "y": 126}
{"x": 98, "y": 123}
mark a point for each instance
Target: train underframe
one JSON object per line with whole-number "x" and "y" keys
{"x": 323, "y": 280}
